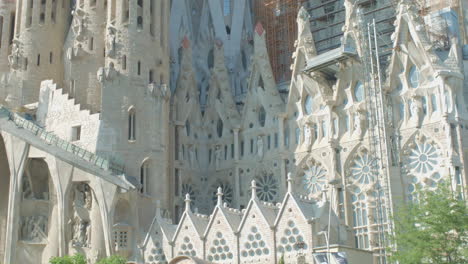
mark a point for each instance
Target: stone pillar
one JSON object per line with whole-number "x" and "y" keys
{"x": 281, "y": 131}
{"x": 17, "y": 152}
{"x": 236, "y": 144}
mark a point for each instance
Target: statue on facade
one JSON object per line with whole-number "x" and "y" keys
{"x": 260, "y": 147}
{"x": 218, "y": 156}
{"x": 359, "y": 124}
{"x": 308, "y": 136}
{"x": 14, "y": 57}
{"x": 192, "y": 156}
{"x": 416, "y": 111}
{"x": 33, "y": 228}
{"x": 81, "y": 232}
{"x": 110, "y": 42}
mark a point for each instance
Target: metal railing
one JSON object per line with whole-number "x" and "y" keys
{"x": 52, "y": 139}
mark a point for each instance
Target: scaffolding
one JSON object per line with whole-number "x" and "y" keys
{"x": 278, "y": 18}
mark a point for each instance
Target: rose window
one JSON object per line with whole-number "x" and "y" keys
{"x": 314, "y": 179}
{"x": 267, "y": 188}
{"x": 364, "y": 170}
{"x": 188, "y": 188}
{"x": 423, "y": 158}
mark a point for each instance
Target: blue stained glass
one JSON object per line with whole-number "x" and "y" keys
{"x": 308, "y": 104}
{"x": 359, "y": 92}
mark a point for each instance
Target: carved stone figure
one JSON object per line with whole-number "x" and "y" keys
{"x": 192, "y": 156}
{"x": 308, "y": 136}
{"x": 110, "y": 42}
{"x": 416, "y": 111}
{"x": 106, "y": 74}
{"x": 260, "y": 147}
{"x": 14, "y": 57}
{"x": 359, "y": 124}
{"x": 34, "y": 228}
{"x": 83, "y": 196}
{"x": 81, "y": 234}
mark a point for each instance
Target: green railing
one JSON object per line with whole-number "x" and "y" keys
{"x": 52, "y": 139}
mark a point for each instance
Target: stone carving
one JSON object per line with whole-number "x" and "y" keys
{"x": 351, "y": 11}
{"x": 218, "y": 156}
{"x": 106, "y": 74}
{"x": 15, "y": 55}
{"x": 81, "y": 232}
{"x": 192, "y": 156}
{"x": 260, "y": 147}
{"x": 359, "y": 124}
{"x": 34, "y": 228}
{"x": 308, "y": 136}
{"x": 78, "y": 23}
{"x": 110, "y": 42}
{"x": 416, "y": 111}
{"x": 75, "y": 51}
{"x": 83, "y": 196}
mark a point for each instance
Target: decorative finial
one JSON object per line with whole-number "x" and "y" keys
{"x": 254, "y": 190}
{"x": 220, "y": 196}
{"x": 187, "y": 202}
{"x": 290, "y": 182}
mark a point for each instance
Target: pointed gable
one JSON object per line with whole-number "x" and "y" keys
{"x": 186, "y": 94}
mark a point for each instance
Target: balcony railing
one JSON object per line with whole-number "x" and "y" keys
{"x": 52, "y": 139}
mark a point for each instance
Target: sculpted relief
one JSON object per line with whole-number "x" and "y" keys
{"x": 80, "y": 223}
{"x": 34, "y": 228}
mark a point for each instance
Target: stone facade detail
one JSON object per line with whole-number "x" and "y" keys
{"x": 154, "y": 129}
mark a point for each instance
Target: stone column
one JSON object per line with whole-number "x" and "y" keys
{"x": 17, "y": 152}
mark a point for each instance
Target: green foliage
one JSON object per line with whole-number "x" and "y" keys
{"x": 434, "y": 229}
{"x": 80, "y": 259}
{"x": 76, "y": 259}
{"x": 281, "y": 260}
{"x": 113, "y": 260}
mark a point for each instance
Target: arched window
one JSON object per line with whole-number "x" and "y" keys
{"x": 227, "y": 7}
{"x": 262, "y": 116}
{"x": 132, "y": 124}
{"x": 424, "y": 104}
{"x": 414, "y": 77}
{"x": 308, "y": 103}
{"x": 220, "y": 127}
{"x": 144, "y": 172}
{"x": 298, "y": 135}
{"x": 210, "y": 59}
{"x": 359, "y": 92}
{"x": 434, "y": 102}
{"x": 187, "y": 127}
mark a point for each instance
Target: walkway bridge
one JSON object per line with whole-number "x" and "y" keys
{"x": 33, "y": 134}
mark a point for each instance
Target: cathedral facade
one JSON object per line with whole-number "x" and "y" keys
{"x": 156, "y": 130}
